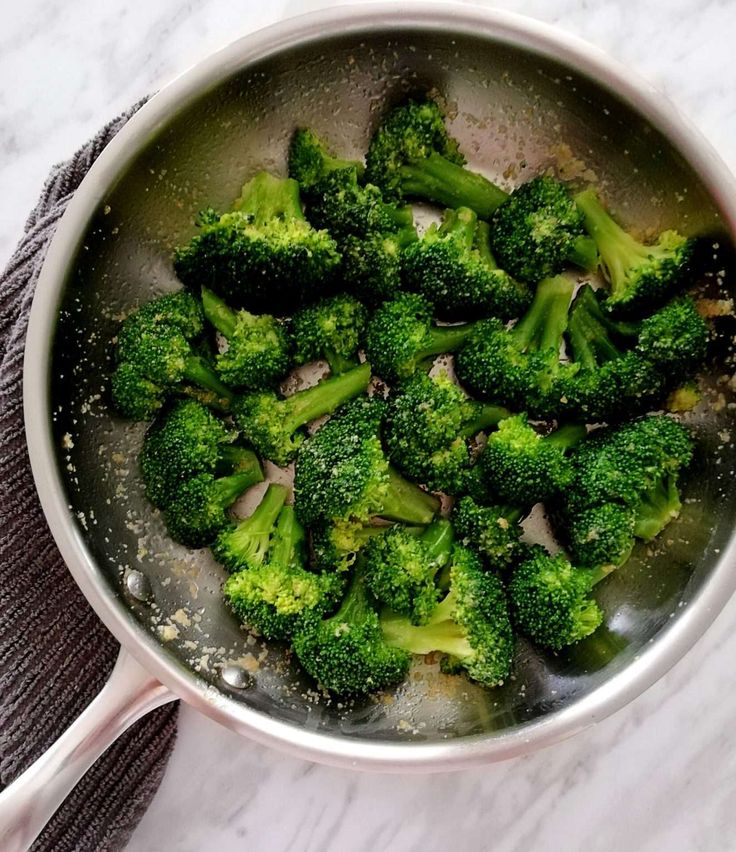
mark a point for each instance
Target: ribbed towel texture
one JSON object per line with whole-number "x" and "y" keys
{"x": 55, "y": 654}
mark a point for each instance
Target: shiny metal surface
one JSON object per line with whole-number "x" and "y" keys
{"x": 522, "y": 97}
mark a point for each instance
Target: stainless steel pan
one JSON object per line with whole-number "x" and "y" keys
{"x": 522, "y": 97}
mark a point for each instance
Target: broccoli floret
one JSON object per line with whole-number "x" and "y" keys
{"x": 519, "y": 367}
{"x": 343, "y": 207}
{"x": 371, "y": 265}
{"x": 675, "y": 338}
{"x": 198, "y": 510}
{"x": 428, "y": 424}
{"x": 346, "y": 653}
{"x": 274, "y": 425}
{"x": 244, "y": 544}
{"x": 160, "y": 352}
{"x": 179, "y": 309}
{"x": 638, "y": 275}
{"x": 133, "y": 395}
{"x": 186, "y": 440}
{"x": 551, "y": 600}
{"x": 521, "y": 467}
{"x": 277, "y": 595}
{"x": 470, "y": 625}
{"x": 539, "y": 229}
{"x": 331, "y": 330}
{"x": 401, "y": 338}
{"x": 411, "y": 154}
{"x": 634, "y": 467}
{"x": 401, "y": 568}
{"x": 310, "y": 161}
{"x": 258, "y": 353}
{"x": 342, "y": 473}
{"x": 491, "y": 531}
{"x": 263, "y": 255}
{"x": 453, "y": 267}
{"x": 336, "y": 543}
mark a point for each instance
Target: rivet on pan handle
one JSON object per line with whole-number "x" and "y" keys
{"x": 31, "y": 800}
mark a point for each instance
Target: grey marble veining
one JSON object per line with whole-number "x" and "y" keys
{"x": 659, "y": 775}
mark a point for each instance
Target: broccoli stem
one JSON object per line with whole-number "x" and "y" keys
{"x": 584, "y": 253}
{"x": 461, "y": 224}
{"x": 402, "y": 217}
{"x": 218, "y": 313}
{"x": 441, "y": 633}
{"x": 288, "y": 537}
{"x": 266, "y": 197}
{"x": 444, "y": 338}
{"x": 482, "y": 244}
{"x": 326, "y": 396}
{"x": 618, "y": 250}
{"x": 258, "y": 526}
{"x": 227, "y": 489}
{"x": 545, "y": 322}
{"x": 241, "y": 460}
{"x": 566, "y": 436}
{"x": 406, "y": 502}
{"x": 437, "y": 539}
{"x": 589, "y": 331}
{"x": 487, "y": 416}
{"x": 437, "y": 179}
{"x": 660, "y": 505}
{"x": 339, "y": 363}
{"x": 199, "y": 372}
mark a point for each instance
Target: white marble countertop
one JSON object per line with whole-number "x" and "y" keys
{"x": 659, "y": 775}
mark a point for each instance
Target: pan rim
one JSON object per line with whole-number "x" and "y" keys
{"x": 498, "y": 26}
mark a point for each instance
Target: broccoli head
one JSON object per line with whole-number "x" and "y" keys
{"x": 470, "y": 625}
{"x": 180, "y": 309}
{"x": 402, "y": 339}
{"x": 674, "y": 338}
{"x": 428, "y": 424}
{"x": 521, "y": 467}
{"x": 346, "y": 653}
{"x": 258, "y": 353}
{"x": 185, "y": 440}
{"x": 343, "y": 473}
{"x": 331, "y": 330}
{"x": 310, "y": 160}
{"x": 539, "y": 229}
{"x": 412, "y": 154}
{"x": 519, "y": 367}
{"x": 491, "y": 531}
{"x": 371, "y": 265}
{"x": 336, "y": 543}
{"x": 276, "y": 595}
{"x": 639, "y": 276}
{"x": 198, "y": 511}
{"x": 551, "y": 600}
{"x": 263, "y": 255}
{"x": 453, "y": 267}
{"x": 401, "y": 568}
{"x": 133, "y": 395}
{"x": 274, "y": 425}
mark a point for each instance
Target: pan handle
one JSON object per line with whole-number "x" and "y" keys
{"x": 31, "y": 800}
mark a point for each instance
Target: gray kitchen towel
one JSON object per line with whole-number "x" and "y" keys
{"x": 55, "y": 654}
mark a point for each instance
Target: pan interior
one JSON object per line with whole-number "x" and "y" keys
{"x": 515, "y": 114}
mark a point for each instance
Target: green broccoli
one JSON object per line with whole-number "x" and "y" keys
{"x": 274, "y": 426}
{"x": 539, "y": 229}
{"x": 520, "y": 467}
{"x": 133, "y": 395}
{"x": 371, "y": 265}
{"x": 470, "y": 625}
{"x": 258, "y": 353}
{"x": 491, "y": 531}
{"x": 428, "y": 424}
{"x": 401, "y": 568}
{"x": 336, "y": 543}
{"x": 346, "y": 653}
{"x": 244, "y": 544}
{"x": 401, "y": 338}
{"x": 675, "y": 338}
{"x": 263, "y": 255}
{"x": 411, "y": 154}
{"x": 180, "y": 309}
{"x": 331, "y": 330}
{"x": 453, "y": 267}
{"x": 310, "y": 161}
{"x": 638, "y": 275}
{"x": 342, "y": 473}
{"x": 185, "y": 440}
{"x": 519, "y": 367}
{"x": 551, "y": 601}
{"x": 198, "y": 511}
{"x": 635, "y": 467}
{"x": 276, "y": 596}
